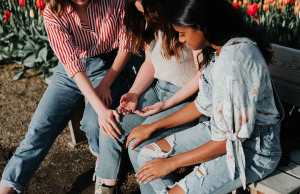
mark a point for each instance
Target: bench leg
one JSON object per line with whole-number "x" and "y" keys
{"x": 77, "y": 136}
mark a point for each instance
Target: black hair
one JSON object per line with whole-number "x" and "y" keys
{"x": 219, "y": 22}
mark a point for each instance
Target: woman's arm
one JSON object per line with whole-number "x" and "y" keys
{"x": 104, "y": 88}
{"x": 206, "y": 152}
{"x": 143, "y": 80}
{"x": 188, "y": 90}
{"x": 85, "y": 86}
{"x": 143, "y": 132}
{"x": 106, "y": 117}
{"x": 162, "y": 167}
{"x": 185, "y": 115}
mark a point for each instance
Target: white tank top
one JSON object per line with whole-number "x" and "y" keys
{"x": 177, "y": 71}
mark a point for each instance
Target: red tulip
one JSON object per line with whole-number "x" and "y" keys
{"x": 236, "y": 5}
{"x": 6, "y": 16}
{"x": 252, "y": 9}
{"x": 40, "y": 4}
{"x": 22, "y": 3}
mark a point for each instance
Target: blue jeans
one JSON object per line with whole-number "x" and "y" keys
{"x": 50, "y": 118}
{"x": 111, "y": 150}
{"x": 262, "y": 152}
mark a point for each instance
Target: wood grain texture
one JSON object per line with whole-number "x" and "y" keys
{"x": 285, "y": 72}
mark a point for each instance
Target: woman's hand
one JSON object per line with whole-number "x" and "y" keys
{"x": 155, "y": 169}
{"x": 151, "y": 109}
{"x": 104, "y": 93}
{"x": 108, "y": 122}
{"x": 128, "y": 103}
{"x": 139, "y": 134}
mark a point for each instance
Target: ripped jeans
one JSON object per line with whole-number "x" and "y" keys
{"x": 179, "y": 142}
{"x": 262, "y": 152}
{"x": 111, "y": 150}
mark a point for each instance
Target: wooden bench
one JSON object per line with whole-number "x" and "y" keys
{"x": 285, "y": 73}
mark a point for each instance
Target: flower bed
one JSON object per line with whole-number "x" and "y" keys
{"x": 279, "y": 18}
{"x": 23, "y": 37}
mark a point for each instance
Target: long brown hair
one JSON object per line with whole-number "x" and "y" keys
{"x": 57, "y": 6}
{"x": 144, "y": 28}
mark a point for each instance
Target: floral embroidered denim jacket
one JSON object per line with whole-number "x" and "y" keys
{"x": 236, "y": 93}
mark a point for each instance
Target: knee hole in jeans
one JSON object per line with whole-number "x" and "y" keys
{"x": 160, "y": 149}
{"x": 178, "y": 188}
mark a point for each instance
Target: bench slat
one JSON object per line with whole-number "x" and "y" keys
{"x": 278, "y": 183}
{"x": 295, "y": 156}
{"x": 285, "y": 71}
{"x": 291, "y": 169}
{"x": 77, "y": 136}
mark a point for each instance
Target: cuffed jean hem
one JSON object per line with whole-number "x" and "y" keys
{"x": 113, "y": 175}
{"x": 14, "y": 186}
{"x": 107, "y": 182}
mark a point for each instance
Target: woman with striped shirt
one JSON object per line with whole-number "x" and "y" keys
{"x": 89, "y": 39}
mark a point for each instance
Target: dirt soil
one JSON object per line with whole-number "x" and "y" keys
{"x": 65, "y": 169}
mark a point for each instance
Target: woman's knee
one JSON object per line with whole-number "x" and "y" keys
{"x": 176, "y": 190}
{"x": 162, "y": 148}
{"x": 108, "y": 143}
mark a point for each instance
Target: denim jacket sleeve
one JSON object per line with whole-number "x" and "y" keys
{"x": 236, "y": 81}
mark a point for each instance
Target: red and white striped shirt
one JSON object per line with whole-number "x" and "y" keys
{"x": 71, "y": 41}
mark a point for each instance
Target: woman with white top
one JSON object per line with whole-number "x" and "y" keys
{"x": 165, "y": 81}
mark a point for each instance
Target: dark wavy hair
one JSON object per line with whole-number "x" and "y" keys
{"x": 143, "y": 28}
{"x": 219, "y": 22}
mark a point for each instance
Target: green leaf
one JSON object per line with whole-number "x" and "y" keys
{"x": 29, "y": 60}
{"x": 43, "y": 53}
{"x": 7, "y": 36}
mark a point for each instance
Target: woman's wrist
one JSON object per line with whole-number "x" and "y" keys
{"x": 106, "y": 83}
{"x": 99, "y": 106}
{"x": 173, "y": 163}
{"x": 134, "y": 92}
{"x": 167, "y": 104}
{"x": 156, "y": 126}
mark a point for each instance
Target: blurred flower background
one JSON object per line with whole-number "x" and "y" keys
{"x": 23, "y": 38}
{"x": 280, "y": 19}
